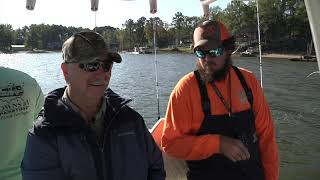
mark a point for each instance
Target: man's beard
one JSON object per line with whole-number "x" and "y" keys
{"x": 209, "y": 76}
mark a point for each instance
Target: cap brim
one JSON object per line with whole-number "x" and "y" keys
{"x": 115, "y": 57}
{"x": 208, "y": 44}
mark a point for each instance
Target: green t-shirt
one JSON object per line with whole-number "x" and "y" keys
{"x": 21, "y": 99}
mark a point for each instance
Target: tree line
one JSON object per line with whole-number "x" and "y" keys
{"x": 284, "y": 27}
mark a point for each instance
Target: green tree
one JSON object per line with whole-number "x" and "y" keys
{"x": 216, "y": 13}
{"x": 162, "y": 36}
{"x": 272, "y": 22}
{"x": 177, "y": 22}
{"x": 140, "y": 34}
{"x": 129, "y": 27}
{"x": 121, "y": 39}
{"x": 109, "y": 33}
{"x": 20, "y": 35}
{"x": 6, "y": 36}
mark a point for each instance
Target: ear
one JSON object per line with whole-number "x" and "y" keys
{"x": 64, "y": 68}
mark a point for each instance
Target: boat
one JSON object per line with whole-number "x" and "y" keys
{"x": 305, "y": 58}
{"x": 249, "y": 52}
{"x": 176, "y": 169}
{"x": 141, "y": 50}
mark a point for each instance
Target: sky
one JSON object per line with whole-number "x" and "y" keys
{"x": 110, "y": 13}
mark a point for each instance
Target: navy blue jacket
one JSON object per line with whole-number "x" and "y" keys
{"x": 61, "y": 146}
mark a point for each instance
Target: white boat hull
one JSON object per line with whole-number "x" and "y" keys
{"x": 175, "y": 169}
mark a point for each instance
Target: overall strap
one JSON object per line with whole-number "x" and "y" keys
{"x": 244, "y": 85}
{"x": 205, "y": 101}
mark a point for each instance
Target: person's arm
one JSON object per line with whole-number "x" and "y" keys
{"x": 179, "y": 139}
{"x": 266, "y": 133}
{"x": 41, "y": 160}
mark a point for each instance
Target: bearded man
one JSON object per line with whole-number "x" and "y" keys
{"x": 217, "y": 117}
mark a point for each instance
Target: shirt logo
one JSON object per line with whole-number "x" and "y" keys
{"x": 243, "y": 97}
{"x": 12, "y": 102}
{"x": 11, "y": 90}
{"x": 13, "y": 106}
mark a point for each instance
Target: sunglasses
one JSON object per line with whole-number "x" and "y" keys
{"x": 94, "y": 66}
{"x": 212, "y": 53}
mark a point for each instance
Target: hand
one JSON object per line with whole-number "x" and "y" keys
{"x": 233, "y": 149}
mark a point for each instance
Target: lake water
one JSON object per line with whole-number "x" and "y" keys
{"x": 294, "y": 99}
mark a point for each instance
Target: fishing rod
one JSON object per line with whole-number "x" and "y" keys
{"x": 153, "y": 10}
{"x": 94, "y": 8}
{"x": 259, "y": 38}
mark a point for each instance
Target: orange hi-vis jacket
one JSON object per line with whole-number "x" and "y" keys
{"x": 185, "y": 115}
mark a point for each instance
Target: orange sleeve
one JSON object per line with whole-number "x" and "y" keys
{"x": 178, "y": 138}
{"x": 265, "y": 131}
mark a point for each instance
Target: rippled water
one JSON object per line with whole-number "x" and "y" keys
{"x": 294, "y": 99}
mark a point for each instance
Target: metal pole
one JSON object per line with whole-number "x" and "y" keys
{"x": 260, "y": 59}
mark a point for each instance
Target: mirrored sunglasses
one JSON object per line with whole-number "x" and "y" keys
{"x": 212, "y": 53}
{"x": 94, "y": 66}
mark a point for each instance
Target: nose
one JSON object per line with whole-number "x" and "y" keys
{"x": 209, "y": 58}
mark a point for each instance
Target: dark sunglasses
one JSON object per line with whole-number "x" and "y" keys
{"x": 94, "y": 66}
{"x": 212, "y": 53}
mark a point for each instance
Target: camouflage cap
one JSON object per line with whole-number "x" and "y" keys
{"x": 210, "y": 34}
{"x": 87, "y": 46}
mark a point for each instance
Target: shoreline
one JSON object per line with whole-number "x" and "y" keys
{"x": 287, "y": 56}
{"x": 282, "y": 56}
{"x": 264, "y": 55}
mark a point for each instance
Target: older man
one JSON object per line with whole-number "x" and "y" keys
{"x": 88, "y": 132}
{"x": 217, "y": 117}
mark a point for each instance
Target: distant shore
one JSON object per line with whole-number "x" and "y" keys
{"x": 188, "y": 51}
{"x": 264, "y": 55}
{"x": 35, "y": 51}
{"x": 282, "y": 56}
{"x": 275, "y": 55}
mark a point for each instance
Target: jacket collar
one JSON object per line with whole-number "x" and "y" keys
{"x": 58, "y": 115}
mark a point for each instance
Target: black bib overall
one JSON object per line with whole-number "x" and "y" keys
{"x": 240, "y": 125}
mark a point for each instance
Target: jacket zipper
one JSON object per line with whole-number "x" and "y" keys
{"x": 102, "y": 148}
